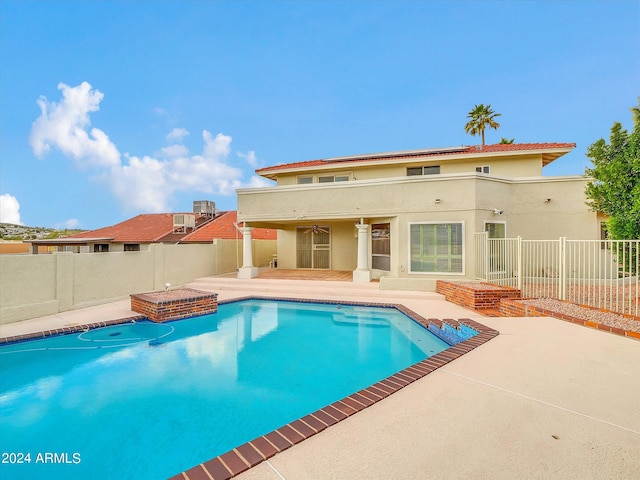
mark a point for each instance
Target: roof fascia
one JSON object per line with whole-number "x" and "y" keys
{"x": 344, "y": 163}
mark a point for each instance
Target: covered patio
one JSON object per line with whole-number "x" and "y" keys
{"x": 306, "y": 274}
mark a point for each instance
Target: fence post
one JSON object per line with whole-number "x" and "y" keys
{"x": 562, "y": 279}
{"x": 485, "y": 265}
{"x": 519, "y": 263}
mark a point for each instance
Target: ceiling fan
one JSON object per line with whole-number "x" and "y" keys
{"x": 316, "y": 229}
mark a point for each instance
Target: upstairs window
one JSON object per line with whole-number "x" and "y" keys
{"x": 483, "y": 169}
{"x": 131, "y": 247}
{"x": 430, "y": 170}
{"x": 101, "y": 247}
{"x": 324, "y": 178}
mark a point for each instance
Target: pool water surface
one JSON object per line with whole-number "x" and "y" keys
{"x": 146, "y": 400}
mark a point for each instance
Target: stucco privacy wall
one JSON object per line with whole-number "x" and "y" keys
{"x": 37, "y": 285}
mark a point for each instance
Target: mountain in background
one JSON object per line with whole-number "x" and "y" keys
{"x": 9, "y": 231}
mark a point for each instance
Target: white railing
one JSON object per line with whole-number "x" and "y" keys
{"x": 599, "y": 273}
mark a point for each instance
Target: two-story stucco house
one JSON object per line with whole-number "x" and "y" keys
{"x": 409, "y": 217}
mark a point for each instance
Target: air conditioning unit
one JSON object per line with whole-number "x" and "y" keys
{"x": 204, "y": 207}
{"x": 183, "y": 221}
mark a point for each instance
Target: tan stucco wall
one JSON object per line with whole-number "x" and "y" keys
{"x": 37, "y": 285}
{"x": 503, "y": 166}
{"x": 467, "y": 198}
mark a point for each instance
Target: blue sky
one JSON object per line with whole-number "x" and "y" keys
{"x": 109, "y": 109}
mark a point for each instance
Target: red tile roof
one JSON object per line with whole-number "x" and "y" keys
{"x": 498, "y": 147}
{"x": 158, "y": 227}
{"x": 223, "y": 228}
{"x": 144, "y": 228}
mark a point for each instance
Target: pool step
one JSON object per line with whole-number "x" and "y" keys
{"x": 301, "y": 288}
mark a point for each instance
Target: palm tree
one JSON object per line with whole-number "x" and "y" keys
{"x": 480, "y": 118}
{"x": 635, "y": 111}
{"x": 507, "y": 141}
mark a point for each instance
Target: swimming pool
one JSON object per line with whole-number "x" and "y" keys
{"x": 146, "y": 400}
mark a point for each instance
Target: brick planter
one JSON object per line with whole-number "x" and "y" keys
{"x": 475, "y": 295}
{"x": 174, "y": 304}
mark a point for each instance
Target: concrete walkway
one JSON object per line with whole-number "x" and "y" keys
{"x": 545, "y": 399}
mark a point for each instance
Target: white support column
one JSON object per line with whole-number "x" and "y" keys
{"x": 362, "y": 274}
{"x": 247, "y": 270}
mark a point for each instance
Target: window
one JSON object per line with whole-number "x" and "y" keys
{"x": 496, "y": 230}
{"x": 131, "y": 247}
{"x": 430, "y": 170}
{"x": 436, "y": 248}
{"x": 483, "y": 169}
{"x": 381, "y": 246}
{"x": 324, "y": 178}
{"x": 101, "y": 247}
{"x": 333, "y": 178}
{"x": 604, "y": 235}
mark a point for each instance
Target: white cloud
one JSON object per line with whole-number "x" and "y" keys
{"x": 64, "y": 126}
{"x": 71, "y": 223}
{"x": 175, "y": 151}
{"x": 140, "y": 183}
{"x": 9, "y": 209}
{"x": 177, "y": 134}
{"x": 250, "y": 157}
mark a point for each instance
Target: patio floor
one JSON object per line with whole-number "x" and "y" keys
{"x": 298, "y": 274}
{"x": 545, "y": 399}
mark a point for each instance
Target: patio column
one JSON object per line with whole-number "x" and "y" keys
{"x": 362, "y": 274}
{"x": 247, "y": 270}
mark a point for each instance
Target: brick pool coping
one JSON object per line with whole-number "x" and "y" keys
{"x": 258, "y": 450}
{"x": 68, "y": 329}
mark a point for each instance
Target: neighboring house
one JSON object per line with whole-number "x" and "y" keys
{"x": 226, "y": 227}
{"x": 137, "y": 233}
{"x": 411, "y": 216}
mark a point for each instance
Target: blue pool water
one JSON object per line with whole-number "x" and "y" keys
{"x": 146, "y": 401}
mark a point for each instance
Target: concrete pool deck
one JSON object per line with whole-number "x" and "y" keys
{"x": 544, "y": 399}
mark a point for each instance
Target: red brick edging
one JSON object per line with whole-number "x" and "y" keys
{"x": 256, "y": 451}
{"x": 481, "y": 296}
{"x": 515, "y": 308}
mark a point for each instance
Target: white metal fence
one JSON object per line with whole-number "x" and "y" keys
{"x": 598, "y": 273}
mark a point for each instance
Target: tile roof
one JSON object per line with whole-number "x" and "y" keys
{"x": 145, "y": 228}
{"x": 473, "y": 149}
{"x": 222, "y": 227}
{"x": 158, "y": 227}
